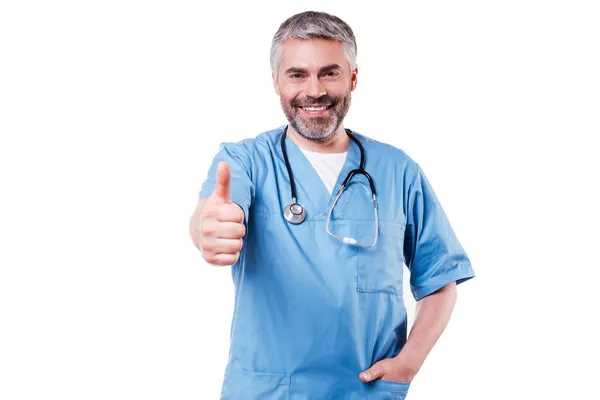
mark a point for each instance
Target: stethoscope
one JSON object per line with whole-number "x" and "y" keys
{"x": 294, "y": 213}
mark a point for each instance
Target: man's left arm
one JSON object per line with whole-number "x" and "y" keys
{"x": 431, "y": 318}
{"x": 437, "y": 263}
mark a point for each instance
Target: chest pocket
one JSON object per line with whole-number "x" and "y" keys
{"x": 380, "y": 267}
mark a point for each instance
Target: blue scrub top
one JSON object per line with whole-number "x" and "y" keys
{"x": 312, "y": 312}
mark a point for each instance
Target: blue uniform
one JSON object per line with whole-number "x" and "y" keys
{"x": 312, "y": 312}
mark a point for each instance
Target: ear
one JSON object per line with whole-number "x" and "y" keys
{"x": 354, "y": 78}
{"x": 275, "y": 84}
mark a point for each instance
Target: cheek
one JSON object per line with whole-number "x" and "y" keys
{"x": 289, "y": 92}
{"x": 338, "y": 88}
{"x": 287, "y": 98}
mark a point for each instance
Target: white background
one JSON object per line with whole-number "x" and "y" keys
{"x": 110, "y": 114}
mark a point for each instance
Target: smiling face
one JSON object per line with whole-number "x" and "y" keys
{"x": 314, "y": 86}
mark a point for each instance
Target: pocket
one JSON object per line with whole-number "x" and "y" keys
{"x": 240, "y": 384}
{"x": 380, "y": 267}
{"x": 387, "y": 390}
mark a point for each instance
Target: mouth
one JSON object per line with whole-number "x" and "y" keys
{"x": 316, "y": 109}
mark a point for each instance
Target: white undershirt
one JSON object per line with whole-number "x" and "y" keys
{"x": 327, "y": 165}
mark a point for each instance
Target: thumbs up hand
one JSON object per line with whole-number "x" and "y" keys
{"x": 222, "y": 223}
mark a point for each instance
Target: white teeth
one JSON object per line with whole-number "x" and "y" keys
{"x": 314, "y": 108}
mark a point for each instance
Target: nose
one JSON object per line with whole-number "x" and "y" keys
{"x": 315, "y": 88}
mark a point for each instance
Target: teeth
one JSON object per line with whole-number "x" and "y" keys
{"x": 314, "y": 108}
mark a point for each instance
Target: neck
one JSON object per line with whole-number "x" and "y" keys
{"x": 336, "y": 143}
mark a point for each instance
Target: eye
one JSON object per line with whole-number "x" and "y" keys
{"x": 295, "y": 76}
{"x": 331, "y": 74}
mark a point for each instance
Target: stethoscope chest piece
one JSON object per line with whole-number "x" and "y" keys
{"x": 294, "y": 213}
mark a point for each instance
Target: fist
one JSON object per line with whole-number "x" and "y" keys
{"x": 221, "y": 223}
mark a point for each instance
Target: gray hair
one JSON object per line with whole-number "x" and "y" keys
{"x": 313, "y": 25}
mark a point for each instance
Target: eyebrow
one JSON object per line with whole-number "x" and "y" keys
{"x": 331, "y": 67}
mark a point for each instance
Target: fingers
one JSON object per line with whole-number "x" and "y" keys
{"x": 224, "y": 212}
{"x": 230, "y": 230}
{"x": 221, "y": 242}
{"x": 222, "y": 246}
{"x": 223, "y": 230}
{"x": 219, "y": 251}
{"x": 222, "y": 259}
{"x": 222, "y": 189}
{"x": 222, "y": 237}
{"x": 230, "y": 213}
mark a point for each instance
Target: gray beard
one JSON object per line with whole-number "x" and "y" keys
{"x": 319, "y": 135}
{"x": 318, "y": 130}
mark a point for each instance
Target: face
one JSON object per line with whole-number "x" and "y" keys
{"x": 314, "y": 86}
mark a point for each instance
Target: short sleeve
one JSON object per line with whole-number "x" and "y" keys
{"x": 239, "y": 161}
{"x": 432, "y": 251}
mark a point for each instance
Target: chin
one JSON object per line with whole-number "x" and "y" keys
{"x": 320, "y": 134}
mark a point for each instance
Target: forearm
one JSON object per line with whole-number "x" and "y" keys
{"x": 431, "y": 318}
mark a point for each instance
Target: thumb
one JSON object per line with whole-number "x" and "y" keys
{"x": 376, "y": 371}
{"x": 223, "y": 186}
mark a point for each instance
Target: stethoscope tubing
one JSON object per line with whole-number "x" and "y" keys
{"x": 360, "y": 170}
{"x": 295, "y": 213}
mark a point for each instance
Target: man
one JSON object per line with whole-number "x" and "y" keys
{"x": 319, "y": 310}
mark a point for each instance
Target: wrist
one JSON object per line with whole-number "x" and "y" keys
{"x": 409, "y": 365}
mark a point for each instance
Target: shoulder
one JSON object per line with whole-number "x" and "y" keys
{"x": 379, "y": 152}
{"x": 257, "y": 143}
{"x": 250, "y": 152}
